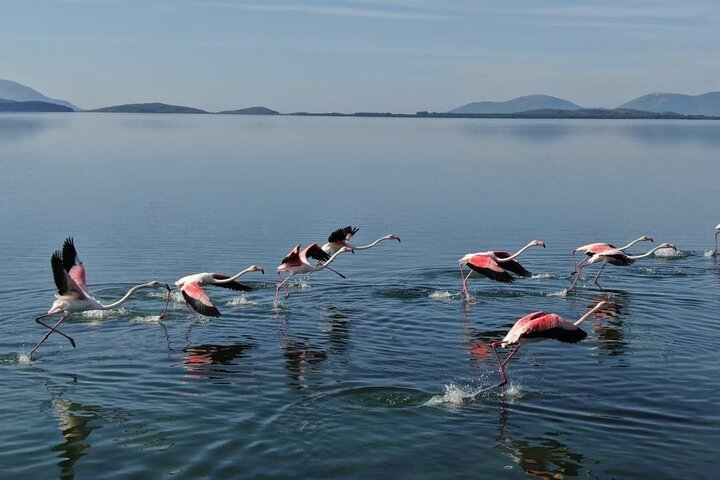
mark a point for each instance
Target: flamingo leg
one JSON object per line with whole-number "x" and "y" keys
{"x": 575, "y": 265}
{"x": 50, "y": 330}
{"x": 167, "y": 302}
{"x": 577, "y": 277}
{"x": 280, "y": 285}
{"x": 580, "y": 265}
{"x": 501, "y": 365}
{"x": 595, "y": 280}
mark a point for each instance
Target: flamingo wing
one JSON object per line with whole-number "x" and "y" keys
{"x": 548, "y": 325}
{"x": 599, "y": 248}
{"x": 231, "y": 285}
{"x": 72, "y": 264}
{"x": 485, "y": 265}
{"x": 293, "y": 257}
{"x": 616, "y": 257}
{"x": 196, "y": 297}
{"x": 64, "y": 283}
{"x": 342, "y": 235}
{"x": 513, "y": 265}
{"x": 315, "y": 252}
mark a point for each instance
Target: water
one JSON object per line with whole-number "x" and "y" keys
{"x": 384, "y": 374}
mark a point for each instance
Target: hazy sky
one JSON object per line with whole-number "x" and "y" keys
{"x": 358, "y": 55}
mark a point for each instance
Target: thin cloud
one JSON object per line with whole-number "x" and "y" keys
{"x": 330, "y": 10}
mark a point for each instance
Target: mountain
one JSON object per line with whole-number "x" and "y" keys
{"x": 148, "y": 108}
{"x": 519, "y": 104}
{"x": 10, "y": 90}
{"x": 31, "y": 106}
{"x": 252, "y": 111}
{"x": 705, "y": 104}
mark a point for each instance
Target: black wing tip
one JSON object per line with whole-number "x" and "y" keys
{"x": 202, "y": 309}
{"x": 502, "y": 277}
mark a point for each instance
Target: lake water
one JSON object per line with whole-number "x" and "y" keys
{"x": 376, "y": 376}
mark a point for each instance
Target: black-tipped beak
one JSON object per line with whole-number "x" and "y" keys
{"x": 262, "y": 270}
{"x": 398, "y": 239}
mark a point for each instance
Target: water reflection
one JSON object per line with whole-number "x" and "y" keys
{"x": 609, "y": 331}
{"x": 545, "y": 456}
{"x": 207, "y": 358}
{"x": 76, "y": 424}
{"x": 301, "y": 359}
{"x": 338, "y": 329}
{"x": 18, "y": 127}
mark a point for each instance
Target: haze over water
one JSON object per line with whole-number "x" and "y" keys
{"x": 377, "y": 375}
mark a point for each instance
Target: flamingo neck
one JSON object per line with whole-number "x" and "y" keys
{"x": 125, "y": 298}
{"x": 325, "y": 264}
{"x": 587, "y": 315}
{"x": 370, "y": 245}
{"x": 512, "y": 257}
{"x": 714, "y": 252}
{"x": 637, "y": 240}
{"x": 637, "y": 257}
{"x": 234, "y": 277}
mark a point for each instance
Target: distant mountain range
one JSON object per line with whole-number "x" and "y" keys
{"x": 154, "y": 107}
{"x": 15, "y": 97}
{"x": 252, "y": 111}
{"x": 31, "y": 106}
{"x": 10, "y": 90}
{"x": 517, "y": 105}
{"x": 705, "y": 104}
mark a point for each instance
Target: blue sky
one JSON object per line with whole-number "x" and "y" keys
{"x": 358, "y": 55}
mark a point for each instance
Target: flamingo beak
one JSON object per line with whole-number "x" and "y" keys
{"x": 262, "y": 270}
{"x": 398, "y": 239}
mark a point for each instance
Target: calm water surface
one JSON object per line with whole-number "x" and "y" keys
{"x": 376, "y": 376}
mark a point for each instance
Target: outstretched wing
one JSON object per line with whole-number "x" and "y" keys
{"x": 342, "y": 235}
{"x": 72, "y": 263}
{"x": 231, "y": 285}
{"x": 64, "y": 283}
{"x": 196, "y": 297}
{"x": 617, "y": 257}
{"x": 485, "y": 265}
{"x": 513, "y": 265}
{"x": 315, "y": 252}
{"x": 550, "y": 325}
{"x": 293, "y": 257}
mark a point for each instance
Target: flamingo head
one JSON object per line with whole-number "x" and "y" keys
{"x": 645, "y": 238}
{"x": 717, "y": 228}
{"x": 257, "y": 268}
{"x": 538, "y": 243}
{"x": 667, "y": 245}
{"x": 156, "y": 284}
{"x": 348, "y": 249}
{"x": 393, "y": 237}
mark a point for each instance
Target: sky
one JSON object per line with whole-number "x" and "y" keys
{"x": 358, "y": 55}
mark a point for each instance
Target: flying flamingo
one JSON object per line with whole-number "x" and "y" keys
{"x": 593, "y": 248}
{"x": 495, "y": 264}
{"x": 296, "y": 262}
{"x": 717, "y": 232}
{"x": 72, "y": 291}
{"x": 195, "y": 296}
{"x": 617, "y": 257}
{"x": 341, "y": 238}
{"x": 538, "y": 326}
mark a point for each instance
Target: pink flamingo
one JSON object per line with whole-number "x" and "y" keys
{"x": 538, "y": 326}
{"x": 593, "y": 248}
{"x": 195, "y": 296}
{"x": 341, "y": 238}
{"x": 617, "y": 257}
{"x": 296, "y": 263}
{"x": 72, "y": 291}
{"x": 495, "y": 264}
{"x": 717, "y": 232}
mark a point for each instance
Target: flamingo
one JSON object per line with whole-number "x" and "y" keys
{"x": 197, "y": 298}
{"x": 717, "y": 232}
{"x": 72, "y": 291}
{"x": 296, "y": 262}
{"x": 538, "y": 326}
{"x": 617, "y": 257}
{"x": 495, "y": 264}
{"x": 593, "y": 248}
{"x": 341, "y": 238}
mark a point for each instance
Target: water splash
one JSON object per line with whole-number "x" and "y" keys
{"x": 561, "y": 293}
{"x": 24, "y": 357}
{"x": 441, "y": 296}
{"x": 103, "y": 314}
{"x": 241, "y": 301}
{"x": 544, "y": 276}
{"x": 302, "y": 284}
{"x": 148, "y": 319}
{"x": 456, "y": 395}
{"x": 669, "y": 253}
{"x": 709, "y": 253}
